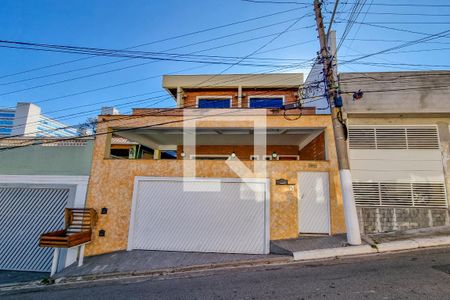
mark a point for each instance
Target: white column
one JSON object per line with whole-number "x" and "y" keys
{"x": 81, "y": 255}
{"x": 240, "y": 96}
{"x": 351, "y": 216}
{"x": 55, "y": 261}
{"x": 180, "y": 101}
{"x": 156, "y": 154}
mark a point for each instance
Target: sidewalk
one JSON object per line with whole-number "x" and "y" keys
{"x": 123, "y": 264}
{"x": 145, "y": 262}
{"x": 383, "y": 242}
{"x": 15, "y": 277}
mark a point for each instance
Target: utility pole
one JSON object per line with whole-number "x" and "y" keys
{"x": 351, "y": 217}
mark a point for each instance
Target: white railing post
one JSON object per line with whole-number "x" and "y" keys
{"x": 55, "y": 262}
{"x": 80, "y": 255}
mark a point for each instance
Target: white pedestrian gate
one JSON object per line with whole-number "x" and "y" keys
{"x": 25, "y": 213}
{"x": 230, "y": 219}
{"x": 314, "y": 202}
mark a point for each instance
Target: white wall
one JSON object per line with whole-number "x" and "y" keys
{"x": 26, "y": 119}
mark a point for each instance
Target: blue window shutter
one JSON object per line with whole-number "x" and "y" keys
{"x": 213, "y": 103}
{"x": 266, "y": 102}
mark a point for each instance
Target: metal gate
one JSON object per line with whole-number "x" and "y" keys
{"x": 230, "y": 219}
{"x": 314, "y": 202}
{"x": 25, "y": 213}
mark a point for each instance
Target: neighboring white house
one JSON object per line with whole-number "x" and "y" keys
{"x": 398, "y": 140}
{"x": 37, "y": 182}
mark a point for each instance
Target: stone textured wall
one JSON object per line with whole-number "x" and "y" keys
{"x": 385, "y": 219}
{"x": 111, "y": 181}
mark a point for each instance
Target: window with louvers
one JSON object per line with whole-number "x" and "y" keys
{"x": 395, "y": 194}
{"x": 395, "y": 138}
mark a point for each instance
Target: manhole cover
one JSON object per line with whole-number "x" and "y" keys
{"x": 442, "y": 268}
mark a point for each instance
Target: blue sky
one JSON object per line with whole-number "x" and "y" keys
{"x": 121, "y": 24}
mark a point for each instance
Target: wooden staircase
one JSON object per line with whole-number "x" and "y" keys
{"x": 79, "y": 223}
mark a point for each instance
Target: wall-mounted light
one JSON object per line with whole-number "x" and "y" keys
{"x": 233, "y": 154}
{"x": 182, "y": 154}
{"x": 274, "y": 154}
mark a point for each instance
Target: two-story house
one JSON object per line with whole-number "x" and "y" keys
{"x": 228, "y": 170}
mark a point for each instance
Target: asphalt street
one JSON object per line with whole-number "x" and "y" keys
{"x": 423, "y": 274}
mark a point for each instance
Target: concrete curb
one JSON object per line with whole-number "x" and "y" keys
{"x": 397, "y": 246}
{"x": 18, "y": 284}
{"x": 310, "y": 255}
{"x": 166, "y": 271}
{"x": 433, "y": 242}
{"x": 333, "y": 252}
{"x": 157, "y": 272}
{"x": 367, "y": 249}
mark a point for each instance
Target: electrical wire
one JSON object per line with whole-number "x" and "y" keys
{"x": 105, "y": 72}
{"x": 217, "y": 83}
{"x": 115, "y": 119}
{"x": 161, "y": 40}
{"x": 408, "y": 44}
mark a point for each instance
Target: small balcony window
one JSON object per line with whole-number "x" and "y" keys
{"x": 266, "y": 102}
{"x": 214, "y": 102}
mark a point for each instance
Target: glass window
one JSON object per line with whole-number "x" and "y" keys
{"x": 5, "y": 130}
{"x": 261, "y": 102}
{"x": 7, "y": 115}
{"x": 214, "y": 103}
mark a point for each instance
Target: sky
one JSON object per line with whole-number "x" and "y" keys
{"x": 285, "y": 41}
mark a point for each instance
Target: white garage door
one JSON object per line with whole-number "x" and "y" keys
{"x": 201, "y": 215}
{"x": 25, "y": 213}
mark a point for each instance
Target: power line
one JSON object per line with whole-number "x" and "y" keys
{"x": 377, "y": 4}
{"x": 217, "y": 83}
{"x": 368, "y": 91}
{"x": 123, "y": 129}
{"x": 402, "y": 89}
{"x": 336, "y": 3}
{"x": 408, "y": 22}
{"x": 196, "y": 67}
{"x": 183, "y": 70}
{"x": 259, "y": 48}
{"x": 403, "y": 64}
{"x": 161, "y": 40}
{"x": 356, "y": 11}
{"x": 359, "y": 26}
{"x": 394, "y": 41}
{"x": 418, "y": 41}
{"x": 105, "y": 72}
{"x": 391, "y": 28}
{"x": 409, "y": 14}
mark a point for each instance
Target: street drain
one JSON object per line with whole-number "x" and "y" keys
{"x": 442, "y": 268}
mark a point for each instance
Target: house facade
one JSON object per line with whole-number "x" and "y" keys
{"x": 398, "y": 143}
{"x": 39, "y": 178}
{"x": 228, "y": 170}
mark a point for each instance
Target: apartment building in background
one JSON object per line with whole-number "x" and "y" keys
{"x": 26, "y": 120}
